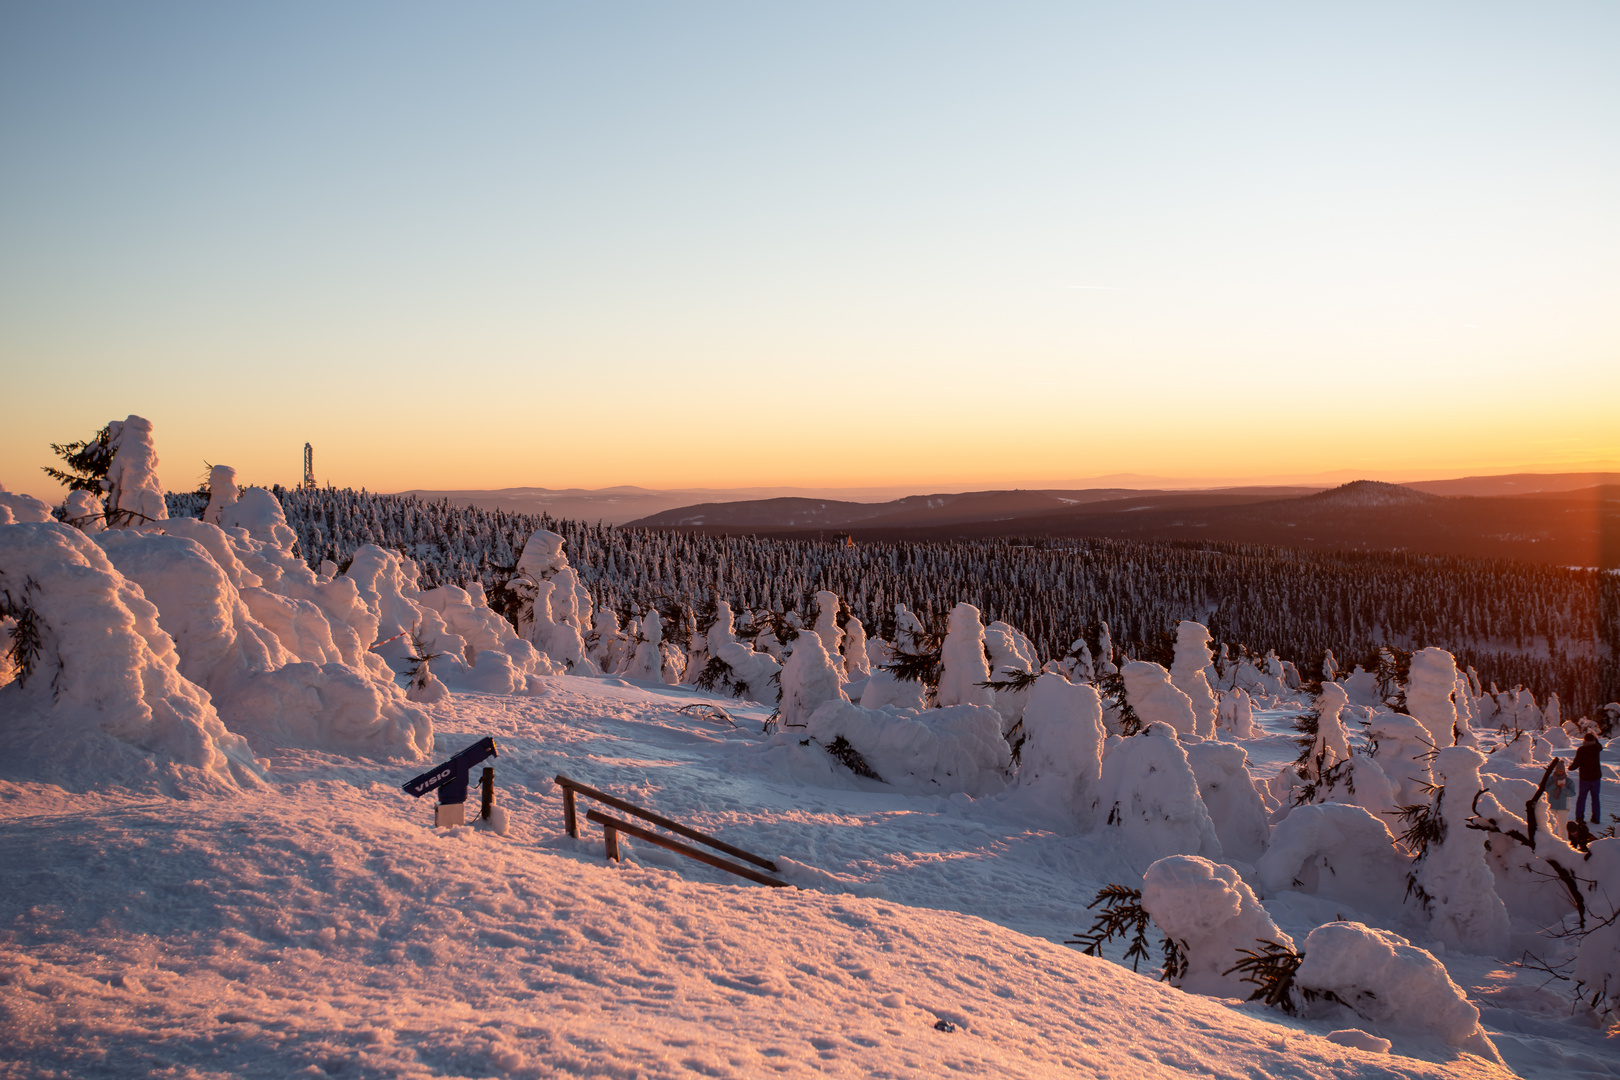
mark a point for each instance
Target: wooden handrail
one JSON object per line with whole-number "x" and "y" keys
{"x": 612, "y": 826}
{"x": 572, "y": 824}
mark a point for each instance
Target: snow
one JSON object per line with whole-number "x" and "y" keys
{"x": 1428, "y": 694}
{"x": 222, "y": 492}
{"x": 108, "y": 692}
{"x": 883, "y": 689}
{"x": 857, "y": 665}
{"x": 1403, "y": 755}
{"x": 1339, "y": 775}
{"x": 832, "y": 638}
{"x": 944, "y": 751}
{"x": 258, "y": 512}
{"x": 80, "y": 509}
{"x": 1360, "y": 1040}
{"x": 1597, "y": 964}
{"x": 646, "y": 663}
{"x": 324, "y": 929}
{"x": 321, "y": 922}
{"x": 1234, "y": 805}
{"x": 1237, "y": 713}
{"x": 1009, "y": 653}
{"x": 751, "y": 671}
{"x": 16, "y": 507}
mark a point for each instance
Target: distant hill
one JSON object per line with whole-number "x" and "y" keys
{"x": 1370, "y": 493}
{"x": 1516, "y": 483}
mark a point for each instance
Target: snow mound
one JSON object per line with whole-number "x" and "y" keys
{"x": 809, "y": 680}
{"x": 1597, "y": 965}
{"x": 1359, "y": 1039}
{"x": 1188, "y": 672}
{"x": 106, "y": 669}
{"x": 332, "y": 707}
{"x": 1429, "y": 691}
{"x": 931, "y": 752}
{"x": 1338, "y": 852}
{"x": 1385, "y": 979}
{"x": 15, "y": 508}
{"x": 134, "y": 495}
{"x": 1403, "y": 755}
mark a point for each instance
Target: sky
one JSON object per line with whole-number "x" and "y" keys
{"x": 724, "y": 244}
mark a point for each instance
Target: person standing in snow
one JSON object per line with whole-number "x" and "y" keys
{"x": 1558, "y": 789}
{"x": 1590, "y": 774}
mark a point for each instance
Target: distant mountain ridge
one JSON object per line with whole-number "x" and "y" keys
{"x": 625, "y": 504}
{"x": 922, "y": 511}
{"x": 1578, "y": 527}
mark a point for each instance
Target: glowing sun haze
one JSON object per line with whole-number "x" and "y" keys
{"x": 490, "y": 245}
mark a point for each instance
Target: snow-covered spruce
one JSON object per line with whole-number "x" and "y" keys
{"x": 1061, "y": 759}
{"x": 1453, "y": 878}
{"x": 1156, "y": 699}
{"x": 1189, "y": 674}
{"x": 964, "y": 667}
{"x": 1208, "y": 910}
{"x": 134, "y": 494}
{"x": 1148, "y": 791}
{"x": 1231, "y": 798}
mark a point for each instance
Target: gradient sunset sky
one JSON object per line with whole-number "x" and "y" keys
{"x": 701, "y": 244}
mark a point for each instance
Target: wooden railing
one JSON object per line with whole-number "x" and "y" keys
{"x": 611, "y": 827}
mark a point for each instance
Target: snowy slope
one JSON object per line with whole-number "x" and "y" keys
{"x": 318, "y": 926}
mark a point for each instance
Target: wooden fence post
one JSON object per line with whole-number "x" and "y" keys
{"x": 569, "y": 820}
{"x": 610, "y": 838}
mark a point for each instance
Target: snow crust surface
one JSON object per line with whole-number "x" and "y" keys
{"x": 320, "y": 926}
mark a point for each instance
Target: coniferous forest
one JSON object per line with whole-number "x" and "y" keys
{"x": 1549, "y": 629}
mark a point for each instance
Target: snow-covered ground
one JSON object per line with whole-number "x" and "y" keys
{"x": 319, "y": 925}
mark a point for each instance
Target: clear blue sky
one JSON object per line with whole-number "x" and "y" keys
{"x": 678, "y": 244}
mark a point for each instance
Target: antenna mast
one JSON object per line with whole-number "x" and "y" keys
{"x": 309, "y": 469}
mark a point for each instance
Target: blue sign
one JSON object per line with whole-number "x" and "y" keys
{"x": 449, "y": 778}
